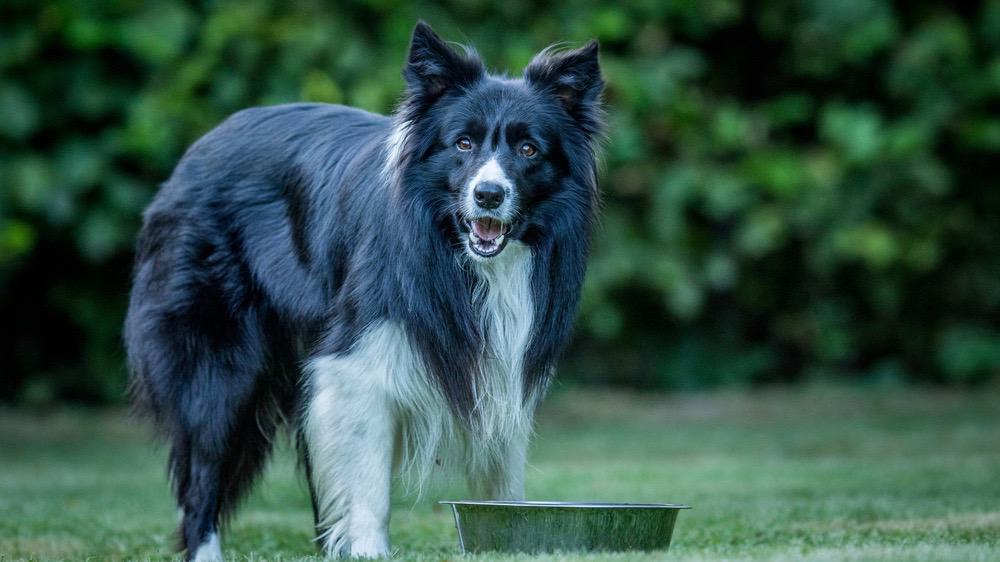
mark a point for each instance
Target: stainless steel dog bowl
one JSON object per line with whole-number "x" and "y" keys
{"x": 534, "y": 527}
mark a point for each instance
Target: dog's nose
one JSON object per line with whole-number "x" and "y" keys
{"x": 488, "y": 195}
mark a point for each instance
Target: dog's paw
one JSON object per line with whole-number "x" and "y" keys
{"x": 375, "y": 545}
{"x": 209, "y": 551}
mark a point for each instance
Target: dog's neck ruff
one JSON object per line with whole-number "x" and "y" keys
{"x": 395, "y": 146}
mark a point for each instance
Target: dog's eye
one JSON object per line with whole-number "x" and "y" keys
{"x": 464, "y": 144}
{"x": 528, "y": 150}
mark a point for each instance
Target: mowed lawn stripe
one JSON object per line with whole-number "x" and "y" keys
{"x": 807, "y": 473}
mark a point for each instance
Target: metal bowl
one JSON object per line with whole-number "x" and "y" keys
{"x": 538, "y": 526}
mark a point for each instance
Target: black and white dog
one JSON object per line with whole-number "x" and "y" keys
{"x": 392, "y": 287}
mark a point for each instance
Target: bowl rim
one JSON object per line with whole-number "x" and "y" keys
{"x": 563, "y": 504}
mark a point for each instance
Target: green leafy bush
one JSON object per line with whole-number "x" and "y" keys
{"x": 793, "y": 188}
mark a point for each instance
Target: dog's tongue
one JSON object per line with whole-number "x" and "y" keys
{"x": 487, "y": 229}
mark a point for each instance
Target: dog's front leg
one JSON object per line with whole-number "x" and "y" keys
{"x": 370, "y": 490}
{"x": 350, "y": 433}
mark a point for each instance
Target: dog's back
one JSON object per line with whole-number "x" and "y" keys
{"x": 231, "y": 227}
{"x": 245, "y": 195}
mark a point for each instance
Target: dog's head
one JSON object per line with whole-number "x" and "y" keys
{"x": 499, "y": 158}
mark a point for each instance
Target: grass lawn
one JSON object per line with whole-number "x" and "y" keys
{"x": 814, "y": 473}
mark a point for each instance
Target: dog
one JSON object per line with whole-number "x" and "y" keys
{"x": 393, "y": 289}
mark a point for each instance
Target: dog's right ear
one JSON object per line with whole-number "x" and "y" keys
{"x": 433, "y": 67}
{"x": 574, "y": 77}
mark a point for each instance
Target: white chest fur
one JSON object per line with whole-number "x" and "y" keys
{"x": 502, "y": 418}
{"x": 503, "y": 295}
{"x": 384, "y": 364}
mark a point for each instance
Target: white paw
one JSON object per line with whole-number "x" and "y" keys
{"x": 209, "y": 551}
{"x": 375, "y": 545}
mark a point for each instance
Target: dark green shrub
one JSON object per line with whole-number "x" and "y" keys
{"x": 792, "y": 187}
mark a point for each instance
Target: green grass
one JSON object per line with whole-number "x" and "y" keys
{"x": 782, "y": 474}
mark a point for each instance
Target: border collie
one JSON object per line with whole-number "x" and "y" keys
{"x": 393, "y": 288}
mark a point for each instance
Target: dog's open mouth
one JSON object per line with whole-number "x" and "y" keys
{"x": 487, "y": 236}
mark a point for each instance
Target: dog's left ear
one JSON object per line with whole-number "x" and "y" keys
{"x": 433, "y": 67}
{"x": 573, "y": 76}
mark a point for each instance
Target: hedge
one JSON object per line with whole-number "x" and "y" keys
{"x": 793, "y": 189}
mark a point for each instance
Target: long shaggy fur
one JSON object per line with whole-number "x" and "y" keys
{"x": 303, "y": 254}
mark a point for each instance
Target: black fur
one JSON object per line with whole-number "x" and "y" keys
{"x": 280, "y": 236}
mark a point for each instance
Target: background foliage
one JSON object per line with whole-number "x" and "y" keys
{"x": 793, "y": 188}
